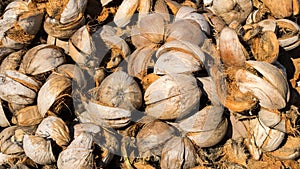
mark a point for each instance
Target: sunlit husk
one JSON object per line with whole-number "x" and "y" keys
{"x": 273, "y": 119}
{"x": 185, "y": 30}
{"x": 23, "y": 88}
{"x": 172, "y": 96}
{"x": 112, "y": 40}
{"x": 182, "y": 46}
{"x": 161, "y": 7}
{"x": 76, "y": 158}
{"x": 86, "y": 127}
{"x": 227, "y": 11}
{"x": 268, "y": 25}
{"x": 78, "y": 154}
{"x": 266, "y": 47}
{"x": 50, "y": 91}
{"x": 81, "y": 46}
{"x": 105, "y": 115}
{"x": 232, "y": 51}
{"x": 290, "y": 41}
{"x": 107, "y": 139}
{"x": 41, "y": 58}
{"x": 288, "y": 151}
{"x": 120, "y": 90}
{"x": 28, "y": 116}
{"x": 153, "y": 136}
{"x": 264, "y": 138}
{"x": 176, "y": 62}
{"x": 5, "y": 158}
{"x": 105, "y": 2}
{"x": 144, "y": 8}
{"x": 210, "y": 138}
{"x": 140, "y": 60}
{"x": 178, "y": 153}
{"x": 19, "y": 25}
{"x": 190, "y": 13}
{"x": 148, "y": 32}
{"x": 272, "y": 91}
{"x": 12, "y": 61}
{"x": 233, "y": 99}
{"x": 207, "y": 127}
{"x": 14, "y": 8}
{"x": 125, "y": 12}
{"x": 65, "y": 17}
{"x": 55, "y": 29}
{"x": 73, "y": 9}
{"x": 54, "y": 128}
{"x": 280, "y": 9}
{"x": 38, "y": 149}
{"x": 7, "y": 144}
{"x": 73, "y": 72}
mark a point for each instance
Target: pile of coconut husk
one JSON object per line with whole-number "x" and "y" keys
{"x": 149, "y": 84}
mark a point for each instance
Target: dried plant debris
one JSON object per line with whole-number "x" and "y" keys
{"x": 149, "y": 84}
